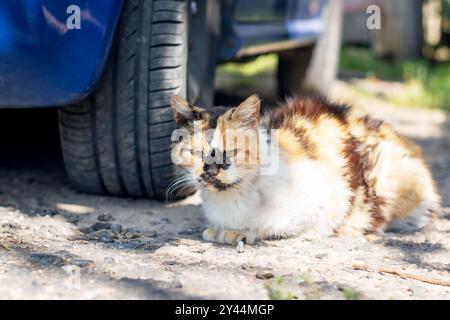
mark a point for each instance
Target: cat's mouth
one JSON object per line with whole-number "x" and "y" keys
{"x": 214, "y": 184}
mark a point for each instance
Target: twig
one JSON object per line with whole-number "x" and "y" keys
{"x": 5, "y": 247}
{"x": 364, "y": 267}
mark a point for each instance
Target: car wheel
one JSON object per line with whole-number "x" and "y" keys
{"x": 117, "y": 141}
{"x": 313, "y": 68}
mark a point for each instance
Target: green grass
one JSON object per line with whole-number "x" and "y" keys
{"x": 363, "y": 61}
{"x": 312, "y": 291}
{"x": 351, "y": 294}
{"x": 275, "y": 290}
{"x": 426, "y": 85}
{"x": 247, "y": 73}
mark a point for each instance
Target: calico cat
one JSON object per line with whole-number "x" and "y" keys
{"x": 338, "y": 171}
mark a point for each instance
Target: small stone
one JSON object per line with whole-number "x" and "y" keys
{"x": 117, "y": 228}
{"x": 150, "y": 234}
{"x": 132, "y": 245}
{"x": 66, "y": 254}
{"x": 82, "y": 237}
{"x": 101, "y": 226}
{"x": 106, "y": 217}
{"x": 186, "y": 232}
{"x": 133, "y": 230}
{"x": 11, "y": 226}
{"x": 72, "y": 218}
{"x": 264, "y": 275}
{"x": 82, "y": 263}
{"x": 45, "y": 259}
{"x": 132, "y": 233}
{"x": 106, "y": 236}
{"x": 86, "y": 230}
{"x": 44, "y": 212}
{"x": 321, "y": 255}
{"x": 129, "y": 236}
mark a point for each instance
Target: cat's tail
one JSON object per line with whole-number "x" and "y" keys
{"x": 419, "y": 186}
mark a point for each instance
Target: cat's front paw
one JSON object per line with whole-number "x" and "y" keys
{"x": 231, "y": 237}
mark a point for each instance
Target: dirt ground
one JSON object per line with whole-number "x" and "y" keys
{"x": 59, "y": 243}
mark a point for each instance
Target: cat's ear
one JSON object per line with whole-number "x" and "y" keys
{"x": 248, "y": 111}
{"x": 183, "y": 112}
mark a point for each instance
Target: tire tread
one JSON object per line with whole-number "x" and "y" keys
{"x": 118, "y": 141}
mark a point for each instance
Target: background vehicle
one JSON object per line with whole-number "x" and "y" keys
{"x": 114, "y": 75}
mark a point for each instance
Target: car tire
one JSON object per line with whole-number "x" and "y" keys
{"x": 312, "y": 69}
{"x": 117, "y": 141}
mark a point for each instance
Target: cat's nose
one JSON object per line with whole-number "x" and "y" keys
{"x": 211, "y": 169}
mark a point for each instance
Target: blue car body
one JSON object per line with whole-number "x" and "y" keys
{"x": 45, "y": 62}
{"x": 42, "y": 61}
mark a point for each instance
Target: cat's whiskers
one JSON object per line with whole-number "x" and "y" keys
{"x": 244, "y": 186}
{"x": 178, "y": 185}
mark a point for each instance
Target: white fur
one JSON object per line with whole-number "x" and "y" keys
{"x": 393, "y": 169}
{"x": 311, "y": 198}
{"x": 306, "y": 197}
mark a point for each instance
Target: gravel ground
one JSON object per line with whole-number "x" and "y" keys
{"x": 58, "y": 243}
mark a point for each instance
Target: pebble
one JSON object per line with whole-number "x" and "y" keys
{"x": 101, "y": 226}
{"x": 150, "y": 234}
{"x": 106, "y": 236}
{"x": 321, "y": 255}
{"x": 45, "y": 259}
{"x": 132, "y": 229}
{"x": 133, "y": 245}
{"x": 82, "y": 263}
{"x": 11, "y": 226}
{"x": 105, "y": 240}
{"x": 66, "y": 254}
{"x": 106, "y": 217}
{"x": 72, "y": 218}
{"x": 132, "y": 233}
{"x": 117, "y": 228}
{"x": 264, "y": 275}
{"x": 86, "y": 230}
{"x": 43, "y": 212}
{"x": 186, "y": 232}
